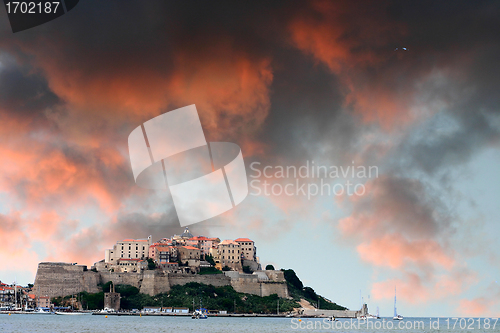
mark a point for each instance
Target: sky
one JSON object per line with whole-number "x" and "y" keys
{"x": 293, "y": 83}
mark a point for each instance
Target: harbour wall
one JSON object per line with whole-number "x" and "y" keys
{"x": 330, "y": 313}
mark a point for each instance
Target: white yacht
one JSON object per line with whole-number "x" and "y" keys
{"x": 396, "y": 315}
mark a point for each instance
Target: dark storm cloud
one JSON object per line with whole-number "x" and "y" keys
{"x": 308, "y": 110}
{"x": 458, "y": 38}
{"x": 470, "y": 121}
{"x": 23, "y": 91}
{"x": 304, "y": 80}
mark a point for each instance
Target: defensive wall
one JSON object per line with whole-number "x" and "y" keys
{"x": 61, "y": 279}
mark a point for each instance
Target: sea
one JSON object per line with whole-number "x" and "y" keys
{"x": 125, "y": 324}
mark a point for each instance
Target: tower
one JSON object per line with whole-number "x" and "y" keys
{"x": 112, "y": 298}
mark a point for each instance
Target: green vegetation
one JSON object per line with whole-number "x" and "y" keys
{"x": 298, "y": 291}
{"x": 247, "y": 269}
{"x": 210, "y": 259}
{"x": 221, "y": 298}
{"x": 269, "y": 268}
{"x": 57, "y": 301}
{"x": 213, "y": 298}
{"x": 226, "y": 268}
{"x": 292, "y": 279}
{"x": 151, "y": 264}
{"x": 209, "y": 270}
{"x": 89, "y": 301}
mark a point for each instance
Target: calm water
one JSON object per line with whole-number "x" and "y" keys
{"x": 125, "y": 324}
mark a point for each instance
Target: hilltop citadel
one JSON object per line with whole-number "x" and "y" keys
{"x": 153, "y": 267}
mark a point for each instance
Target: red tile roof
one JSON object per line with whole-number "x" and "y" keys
{"x": 200, "y": 238}
{"x": 190, "y": 247}
{"x": 243, "y": 240}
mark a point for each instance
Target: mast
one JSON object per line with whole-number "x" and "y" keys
{"x": 395, "y": 309}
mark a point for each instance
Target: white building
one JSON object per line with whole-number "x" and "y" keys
{"x": 228, "y": 254}
{"x": 248, "y": 249}
{"x": 128, "y": 249}
{"x": 126, "y": 265}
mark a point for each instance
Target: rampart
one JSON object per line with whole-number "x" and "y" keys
{"x": 61, "y": 279}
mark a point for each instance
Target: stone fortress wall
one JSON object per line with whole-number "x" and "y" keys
{"x": 55, "y": 279}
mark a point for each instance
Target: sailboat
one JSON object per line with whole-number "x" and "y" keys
{"x": 396, "y": 315}
{"x": 200, "y": 313}
{"x": 370, "y": 316}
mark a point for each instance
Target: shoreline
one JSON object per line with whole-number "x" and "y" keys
{"x": 225, "y": 315}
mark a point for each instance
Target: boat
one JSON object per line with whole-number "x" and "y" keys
{"x": 396, "y": 315}
{"x": 72, "y": 313}
{"x": 332, "y": 318}
{"x": 41, "y": 311}
{"x": 197, "y": 314}
{"x": 370, "y": 316}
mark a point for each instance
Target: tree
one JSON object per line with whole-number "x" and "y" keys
{"x": 151, "y": 264}
{"x": 210, "y": 259}
{"x": 226, "y": 268}
{"x": 247, "y": 269}
{"x": 269, "y": 268}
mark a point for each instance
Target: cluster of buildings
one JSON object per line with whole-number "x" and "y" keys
{"x": 182, "y": 253}
{"x": 13, "y": 296}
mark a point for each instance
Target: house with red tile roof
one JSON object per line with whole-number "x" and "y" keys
{"x": 248, "y": 249}
{"x": 125, "y": 265}
{"x": 128, "y": 249}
